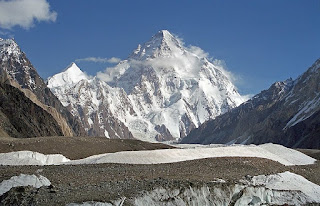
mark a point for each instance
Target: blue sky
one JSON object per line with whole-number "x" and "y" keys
{"x": 260, "y": 41}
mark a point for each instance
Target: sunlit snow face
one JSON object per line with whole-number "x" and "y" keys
{"x": 167, "y": 84}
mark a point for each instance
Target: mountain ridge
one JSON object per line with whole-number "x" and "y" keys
{"x": 287, "y": 113}
{"x": 17, "y": 70}
{"x": 167, "y": 89}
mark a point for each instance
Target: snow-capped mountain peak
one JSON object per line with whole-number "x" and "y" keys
{"x": 162, "y": 91}
{"x": 162, "y": 44}
{"x": 9, "y": 47}
{"x": 71, "y": 75}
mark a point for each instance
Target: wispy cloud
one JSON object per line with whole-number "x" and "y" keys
{"x": 246, "y": 97}
{"x": 6, "y": 34}
{"x": 112, "y": 60}
{"x": 198, "y": 51}
{"x": 24, "y": 13}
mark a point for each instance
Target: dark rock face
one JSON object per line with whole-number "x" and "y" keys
{"x": 164, "y": 133}
{"x": 288, "y": 113}
{"x": 20, "y": 117}
{"x": 15, "y": 66}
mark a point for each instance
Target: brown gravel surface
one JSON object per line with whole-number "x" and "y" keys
{"x": 103, "y": 182}
{"x": 75, "y": 147}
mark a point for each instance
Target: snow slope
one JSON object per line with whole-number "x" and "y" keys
{"x": 273, "y": 152}
{"x": 71, "y": 75}
{"x": 168, "y": 89}
{"x": 23, "y": 180}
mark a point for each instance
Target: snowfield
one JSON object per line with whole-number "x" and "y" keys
{"x": 273, "y": 152}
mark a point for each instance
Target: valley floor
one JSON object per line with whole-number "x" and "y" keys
{"x": 76, "y": 147}
{"x": 106, "y": 182}
{"x": 102, "y": 182}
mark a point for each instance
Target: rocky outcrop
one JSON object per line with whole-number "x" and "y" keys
{"x": 19, "y": 72}
{"x": 21, "y": 118}
{"x": 287, "y": 113}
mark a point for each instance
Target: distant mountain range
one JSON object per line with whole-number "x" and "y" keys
{"x": 162, "y": 91}
{"x": 288, "y": 113}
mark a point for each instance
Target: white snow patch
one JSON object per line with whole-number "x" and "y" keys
{"x": 90, "y": 122}
{"x": 106, "y": 134}
{"x": 31, "y": 158}
{"x": 273, "y": 152}
{"x": 305, "y": 112}
{"x": 118, "y": 202}
{"x": 23, "y": 180}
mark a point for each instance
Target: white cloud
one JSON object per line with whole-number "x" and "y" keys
{"x": 24, "y": 13}
{"x": 112, "y": 60}
{"x": 246, "y": 97}
{"x": 198, "y": 51}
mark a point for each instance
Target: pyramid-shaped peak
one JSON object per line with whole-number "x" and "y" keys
{"x": 72, "y": 67}
{"x": 71, "y": 75}
{"x": 162, "y": 44}
{"x": 7, "y": 41}
{"x": 9, "y": 46}
{"x": 166, "y": 36}
{"x": 164, "y": 33}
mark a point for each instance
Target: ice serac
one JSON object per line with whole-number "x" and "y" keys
{"x": 16, "y": 70}
{"x": 287, "y": 113}
{"x": 161, "y": 91}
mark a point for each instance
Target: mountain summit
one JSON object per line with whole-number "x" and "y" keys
{"x": 72, "y": 74}
{"x": 161, "y": 44}
{"x": 161, "y": 91}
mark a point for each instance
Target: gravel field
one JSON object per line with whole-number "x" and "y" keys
{"x": 76, "y": 147}
{"x": 104, "y": 182}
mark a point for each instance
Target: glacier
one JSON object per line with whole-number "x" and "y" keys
{"x": 284, "y": 188}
